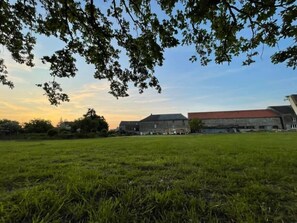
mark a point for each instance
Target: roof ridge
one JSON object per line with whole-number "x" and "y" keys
{"x": 233, "y": 111}
{"x": 164, "y": 117}
{"x": 168, "y": 114}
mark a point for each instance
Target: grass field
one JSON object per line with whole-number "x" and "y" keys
{"x": 201, "y": 178}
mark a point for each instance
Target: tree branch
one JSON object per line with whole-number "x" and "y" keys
{"x": 231, "y": 12}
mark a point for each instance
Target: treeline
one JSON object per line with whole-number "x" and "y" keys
{"x": 89, "y": 126}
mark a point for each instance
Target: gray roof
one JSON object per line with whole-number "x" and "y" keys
{"x": 129, "y": 123}
{"x": 164, "y": 117}
{"x": 283, "y": 109}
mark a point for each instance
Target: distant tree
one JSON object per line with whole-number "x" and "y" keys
{"x": 196, "y": 125}
{"x": 38, "y": 126}
{"x": 91, "y": 122}
{"x": 101, "y": 32}
{"x": 9, "y": 126}
{"x": 91, "y": 113}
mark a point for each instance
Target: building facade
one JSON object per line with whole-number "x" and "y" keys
{"x": 129, "y": 127}
{"x": 238, "y": 121}
{"x": 293, "y": 101}
{"x": 287, "y": 115}
{"x": 164, "y": 124}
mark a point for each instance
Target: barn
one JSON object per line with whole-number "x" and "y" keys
{"x": 241, "y": 120}
{"x": 164, "y": 124}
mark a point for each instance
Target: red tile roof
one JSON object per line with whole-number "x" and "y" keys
{"x": 263, "y": 113}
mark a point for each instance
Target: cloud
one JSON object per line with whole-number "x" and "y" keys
{"x": 152, "y": 100}
{"x": 15, "y": 66}
{"x": 204, "y": 76}
{"x": 7, "y": 107}
{"x": 16, "y": 79}
{"x": 284, "y": 81}
{"x": 34, "y": 100}
{"x": 89, "y": 91}
{"x": 82, "y": 96}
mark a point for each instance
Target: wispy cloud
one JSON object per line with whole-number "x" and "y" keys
{"x": 152, "y": 100}
{"x": 283, "y": 80}
{"x": 89, "y": 91}
{"x": 7, "y": 107}
{"x": 17, "y": 79}
{"x": 82, "y": 96}
{"x": 208, "y": 75}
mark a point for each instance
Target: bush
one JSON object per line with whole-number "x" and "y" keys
{"x": 66, "y": 135}
{"x": 35, "y": 136}
{"x": 113, "y": 133}
{"x": 103, "y": 133}
{"x": 52, "y": 132}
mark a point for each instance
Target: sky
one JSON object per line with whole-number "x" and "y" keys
{"x": 186, "y": 87}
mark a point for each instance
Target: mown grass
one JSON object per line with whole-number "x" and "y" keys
{"x": 201, "y": 178}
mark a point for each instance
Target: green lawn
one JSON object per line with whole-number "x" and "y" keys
{"x": 200, "y": 178}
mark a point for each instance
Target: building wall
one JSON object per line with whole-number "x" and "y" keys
{"x": 164, "y": 127}
{"x": 289, "y": 121}
{"x": 245, "y": 123}
{"x": 292, "y": 99}
{"x": 129, "y": 127}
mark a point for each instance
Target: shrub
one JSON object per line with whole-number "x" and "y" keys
{"x": 52, "y": 132}
{"x": 103, "y": 133}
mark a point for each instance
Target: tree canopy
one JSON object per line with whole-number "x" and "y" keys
{"x": 196, "y": 125}
{"x": 37, "y": 126}
{"x": 101, "y": 32}
{"x": 91, "y": 122}
{"x": 9, "y": 126}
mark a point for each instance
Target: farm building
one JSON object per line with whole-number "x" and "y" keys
{"x": 243, "y": 120}
{"x": 129, "y": 127}
{"x": 164, "y": 124}
{"x": 287, "y": 115}
{"x": 293, "y": 101}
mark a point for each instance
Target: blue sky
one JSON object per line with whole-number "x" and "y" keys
{"x": 186, "y": 87}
